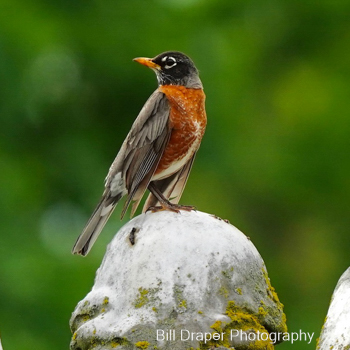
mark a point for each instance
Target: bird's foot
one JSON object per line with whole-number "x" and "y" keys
{"x": 171, "y": 207}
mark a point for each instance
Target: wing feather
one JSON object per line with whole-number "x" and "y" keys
{"x": 143, "y": 147}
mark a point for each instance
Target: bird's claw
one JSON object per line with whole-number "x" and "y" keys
{"x": 171, "y": 207}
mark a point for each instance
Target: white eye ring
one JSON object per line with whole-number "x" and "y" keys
{"x": 166, "y": 58}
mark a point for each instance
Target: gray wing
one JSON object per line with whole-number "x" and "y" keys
{"x": 171, "y": 187}
{"x": 132, "y": 169}
{"x": 143, "y": 148}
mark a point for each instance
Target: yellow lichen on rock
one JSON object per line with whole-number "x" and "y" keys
{"x": 241, "y": 320}
{"x": 154, "y": 309}
{"x": 119, "y": 342}
{"x": 270, "y": 290}
{"x": 142, "y": 299}
{"x": 183, "y": 303}
{"x": 142, "y": 344}
{"x": 223, "y": 291}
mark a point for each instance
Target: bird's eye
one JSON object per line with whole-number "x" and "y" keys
{"x": 170, "y": 62}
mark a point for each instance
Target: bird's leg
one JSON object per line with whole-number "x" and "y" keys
{"x": 164, "y": 203}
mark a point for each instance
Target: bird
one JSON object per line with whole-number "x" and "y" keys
{"x": 160, "y": 148}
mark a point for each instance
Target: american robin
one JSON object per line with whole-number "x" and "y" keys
{"x": 160, "y": 148}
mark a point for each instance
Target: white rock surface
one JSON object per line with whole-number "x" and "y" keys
{"x": 182, "y": 272}
{"x": 335, "y": 334}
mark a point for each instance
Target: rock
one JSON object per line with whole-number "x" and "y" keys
{"x": 336, "y": 329}
{"x": 176, "y": 281}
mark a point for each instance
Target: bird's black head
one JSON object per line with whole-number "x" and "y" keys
{"x": 173, "y": 68}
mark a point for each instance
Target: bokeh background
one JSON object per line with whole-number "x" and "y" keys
{"x": 274, "y": 159}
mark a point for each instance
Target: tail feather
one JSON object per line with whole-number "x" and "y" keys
{"x": 95, "y": 225}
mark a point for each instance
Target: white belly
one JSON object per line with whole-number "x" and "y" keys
{"x": 178, "y": 164}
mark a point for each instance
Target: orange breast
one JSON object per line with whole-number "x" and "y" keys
{"x": 188, "y": 121}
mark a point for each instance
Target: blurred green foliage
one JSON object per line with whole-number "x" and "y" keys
{"x": 274, "y": 160}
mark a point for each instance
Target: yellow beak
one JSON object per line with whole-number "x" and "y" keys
{"x": 147, "y": 62}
